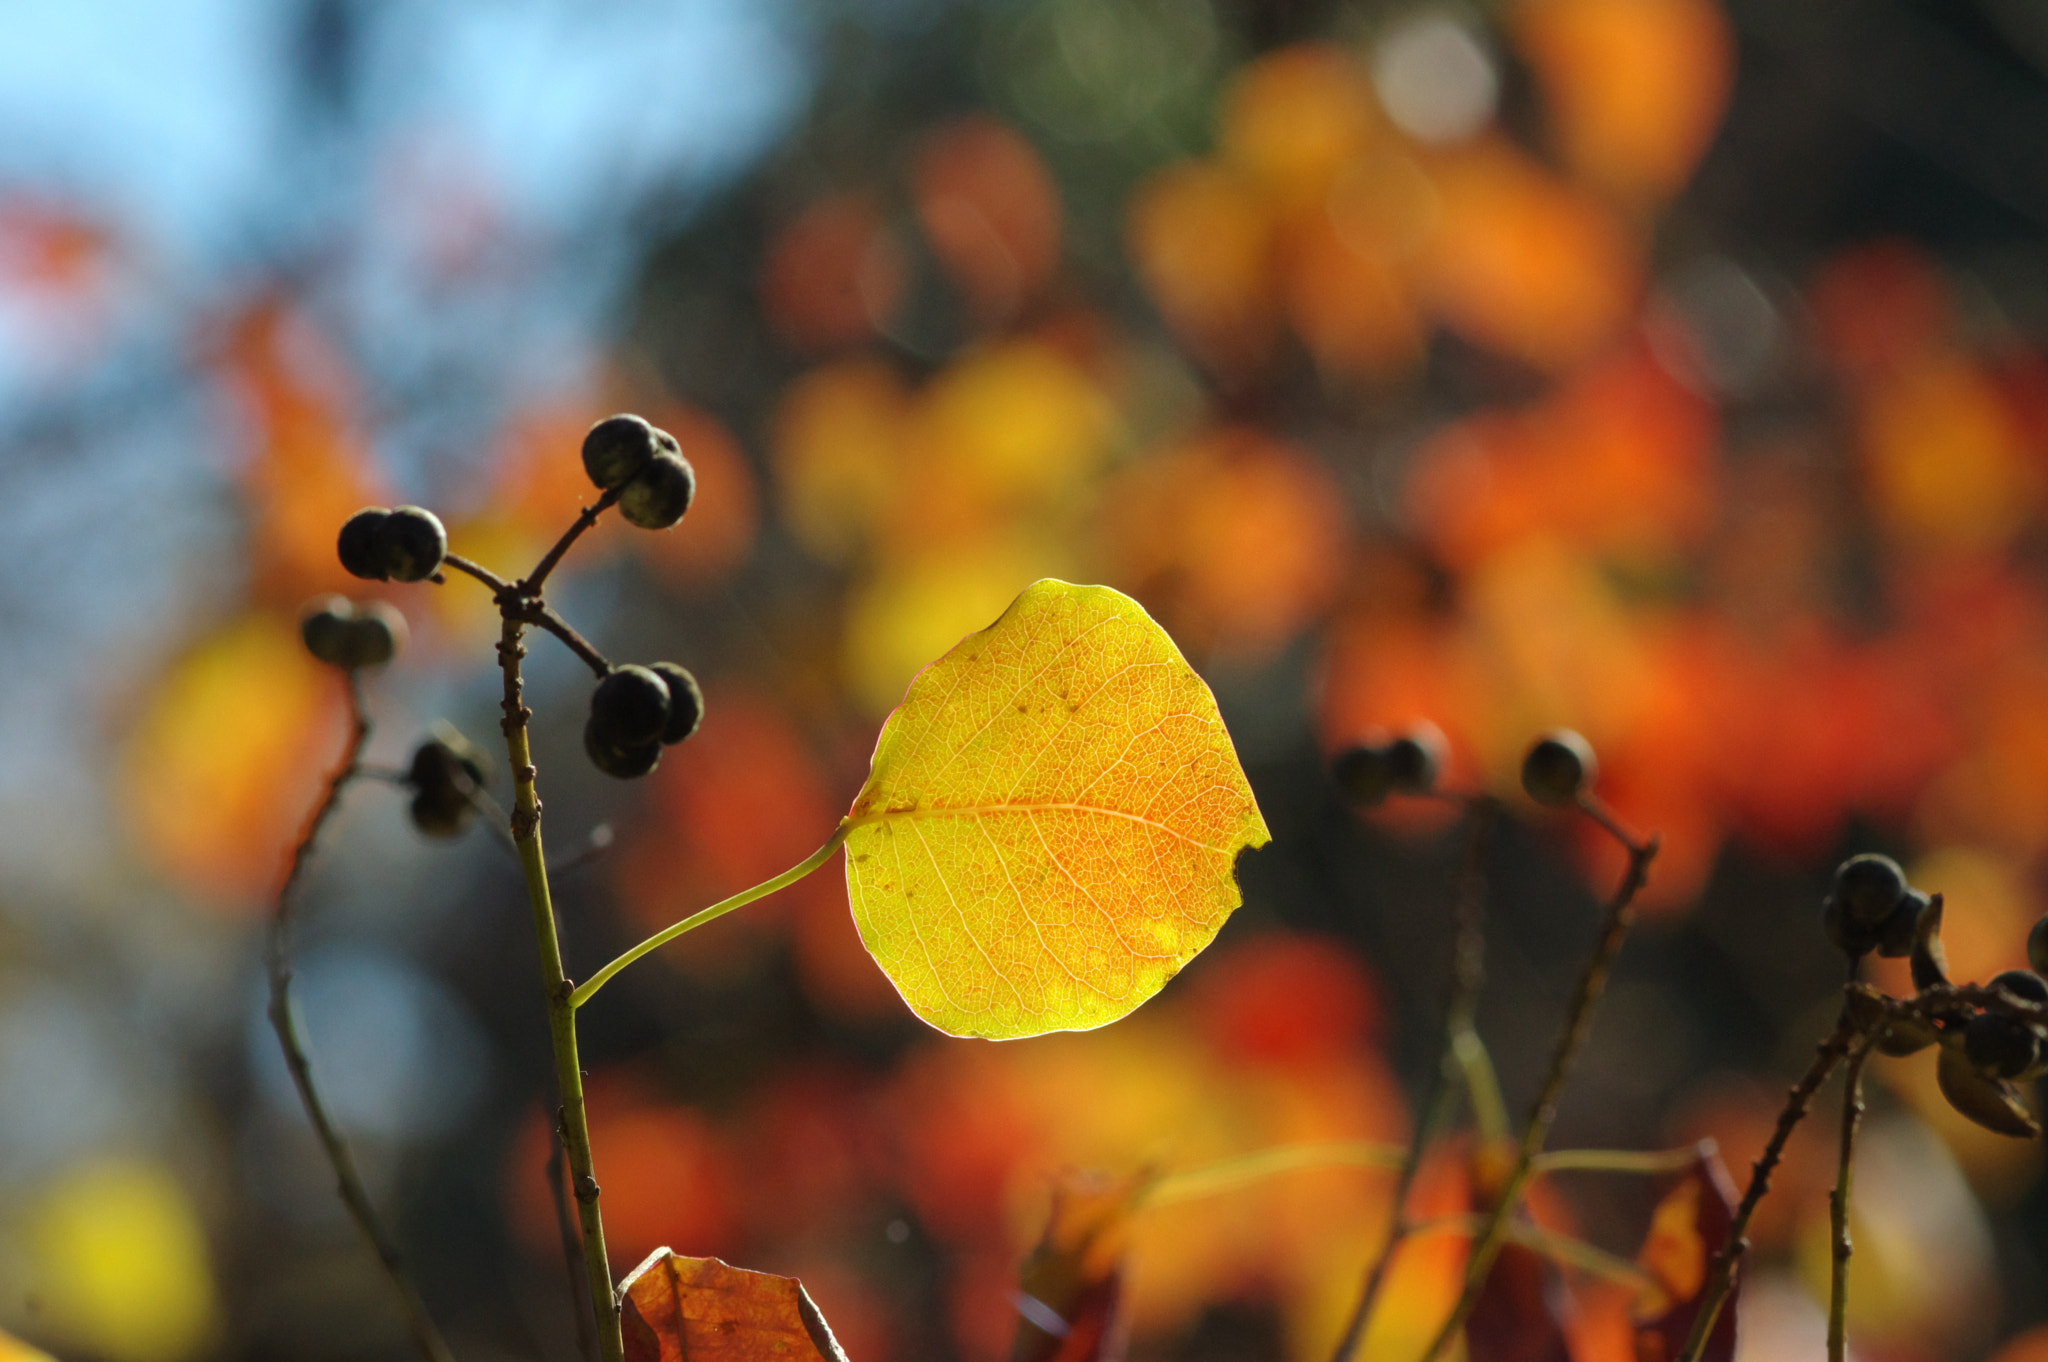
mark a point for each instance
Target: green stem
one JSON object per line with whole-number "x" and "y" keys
{"x": 556, "y": 990}
{"x": 1482, "y": 1085}
{"x": 1468, "y": 970}
{"x": 1715, "y": 1295}
{"x": 590, "y": 986}
{"x": 1559, "y": 1248}
{"x": 1616, "y": 1160}
{"x": 1838, "y": 1285}
{"x": 1227, "y": 1175}
{"x": 1578, "y": 1025}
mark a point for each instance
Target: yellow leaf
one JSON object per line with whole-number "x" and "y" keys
{"x": 1051, "y": 825}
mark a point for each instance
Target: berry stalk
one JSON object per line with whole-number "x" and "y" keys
{"x": 557, "y": 990}
{"x": 348, "y": 1182}
{"x": 1620, "y": 915}
{"x": 1838, "y": 1206}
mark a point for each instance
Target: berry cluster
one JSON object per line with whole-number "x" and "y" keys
{"x": 635, "y": 712}
{"x": 1558, "y": 770}
{"x": 447, "y": 772}
{"x": 1379, "y": 765}
{"x": 406, "y": 544}
{"x": 644, "y": 465}
{"x": 347, "y": 634}
{"x": 1991, "y": 1038}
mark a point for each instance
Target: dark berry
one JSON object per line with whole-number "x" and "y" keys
{"x": 656, "y": 496}
{"x": 411, "y": 544}
{"x": 1558, "y": 768}
{"x": 1896, "y": 934}
{"x": 358, "y": 543}
{"x": 448, "y": 766}
{"x": 630, "y": 706}
{"x": 624, "y": 761}
{"x": 375, "y": 635}
{"x": 2000, "y": 1047}
{"x": 2037, "y": 947}
{"x": 616, "y": 448}
{"x": 326, "y": 629}
{"x": 1851, "y": 939}
{"x": 1416, "y": 758}
{"x": 685, "y": 702}
{"x": 439, "y": 815}
{"x": 1363, "y": 774}
{"x": 1929, "y": 958}
{"x": 2023, "y": 984}
{"x": 1869, "y": 887}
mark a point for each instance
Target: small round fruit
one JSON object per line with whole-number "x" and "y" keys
{"x": 685, "y": 702}
{"x": 358, "y": 543}
{"x": 438, "y": 814}
{"x": 375, "y": 635}
{"x": 616, "y": 448}
{"x": 1558, "y": 768}
{"x": 1416, "y": 758}
{"x": 630, "y": 706}
{"x": 1364, "y": 774}
{"x": 2037, "y": 946}
{"x": 411, "y": 544}
{"x": 1901, "y": 927}
{"x": 660, "y": 492}
{"x": 625, "y": 762}
{"x": 446, "y": 763}
{"x": 1869, "y": 887}
{"x": 1999, "y": 1047}
{"x": 1850, "y": 938}
{"x": 2023, "y": 984}
{"x": 326, "y": 628}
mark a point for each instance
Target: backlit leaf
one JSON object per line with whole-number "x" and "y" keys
{"x": 1689, "y": 1226}
{"x": 1070, "y": 1290}
{"x": 1051, "y": 825}
{"x": 681, "y": 1309}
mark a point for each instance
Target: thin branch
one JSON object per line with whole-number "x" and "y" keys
{"x": 1578, "y": 1025}
{"x": 426, "y": 1337}
{"x": 1797, "y": 1101}
{"x": 1468, "y": 969}
{"x": 1838, "y": 1285}
{"x": 1654, "y": 1161}
{"x": 572, "y": 1243}
{"x": 538, "y": 578}
{"x": 539, "y": 613}
{"x": 498, "y": 585}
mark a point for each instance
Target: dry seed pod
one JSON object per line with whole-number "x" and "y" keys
{"x": 1992, "y": 1103}
{"x": 1904, "y": 1036}
{"x": 1930, "y": 961}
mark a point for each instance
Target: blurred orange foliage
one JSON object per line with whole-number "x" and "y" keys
{"x": 989, "y": 208}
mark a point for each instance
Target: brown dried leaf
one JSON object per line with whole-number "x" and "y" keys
{"x": 677, "y": 1309}
{"x": 1689, "y": 1227}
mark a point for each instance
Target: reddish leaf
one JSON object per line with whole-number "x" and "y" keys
{"x": 679, "y": 1309}
{"x": 1072, "y": 1284}
{"x": 1515, "y": 1319}
{"x": 1689, "y": 1226}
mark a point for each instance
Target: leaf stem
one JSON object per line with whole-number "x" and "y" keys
{"x": 349, "y": 1183}
{"x": 1227, "y": 1175}
{"x": 1468, "y": 968}
{"x": 1562, "y": 1249}
{"x": 1838, "y": 1283}
{"x": 1797, "y": 1101}
{"x": 590, "y": 986}
{"x": 555, "y": 987}
{"x": 1620, "y": 915}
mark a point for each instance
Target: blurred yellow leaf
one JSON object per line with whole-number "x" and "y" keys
{"x": 837, "y": 453}
{"x": 1202, "y": 238}
{"x": 13, "y": 1349}
{"x": 220, "y": 773}
{"x": 681, "y": 1309}
{"x": 121, "y": 1262}
{"x": 1295, "y": 118}
{"x": 1051, "y": 825}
